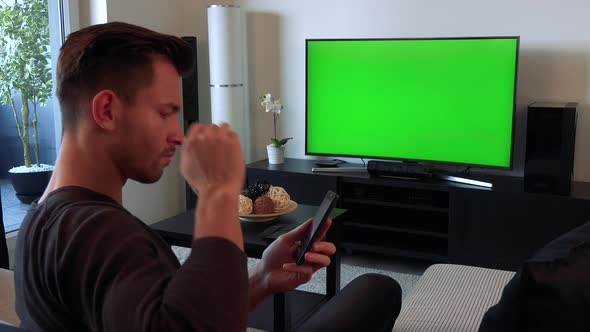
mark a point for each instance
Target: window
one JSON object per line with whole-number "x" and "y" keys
{"x": 29, "y": 135}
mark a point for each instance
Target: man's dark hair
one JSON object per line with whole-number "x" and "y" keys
{"x": 116, "y": 56}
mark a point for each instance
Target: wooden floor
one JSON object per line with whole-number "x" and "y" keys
{"x": 7, "y": 312}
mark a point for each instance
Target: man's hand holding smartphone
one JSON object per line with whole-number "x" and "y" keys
{"x": 278, "y": 270}
{"x": 313, "y": 233}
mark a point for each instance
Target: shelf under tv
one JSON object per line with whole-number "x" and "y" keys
{"x": 430, "y": 256}
{"x": 414, "y": 231}
{"x": 422, "y": 207}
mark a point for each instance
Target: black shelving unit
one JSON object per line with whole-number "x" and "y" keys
{"x": 388, "y": 228}
{"x": 417, "y": 207}
{"x": 394, "y": 220}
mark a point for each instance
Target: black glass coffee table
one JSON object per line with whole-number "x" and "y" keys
{"x": 284, "y": 311}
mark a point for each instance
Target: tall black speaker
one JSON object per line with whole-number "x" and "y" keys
{"x": 190, "y": 106}
{"x": 550, "y": 142}
{"x": 190, "y": 90}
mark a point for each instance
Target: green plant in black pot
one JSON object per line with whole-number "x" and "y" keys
{"x": 25, "y": 84}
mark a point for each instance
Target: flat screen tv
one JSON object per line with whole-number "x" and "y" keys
{"x": 439, "y": 100}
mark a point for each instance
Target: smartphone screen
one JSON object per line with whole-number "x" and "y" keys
{"x": 319, "y": 219}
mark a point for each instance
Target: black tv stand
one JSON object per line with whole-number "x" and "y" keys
{"x": 434, "y": 219}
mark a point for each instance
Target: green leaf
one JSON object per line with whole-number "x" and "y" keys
{"x": 275, "y": 142}
{"x": 284, "y": 140}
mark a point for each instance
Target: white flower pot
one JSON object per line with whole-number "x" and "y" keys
{"x": 276, "y": 154}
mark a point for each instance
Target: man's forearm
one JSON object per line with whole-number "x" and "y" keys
{"x": 257, "y": 288}
{"x": 216, "y": 215}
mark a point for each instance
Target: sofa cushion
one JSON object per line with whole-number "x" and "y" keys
{"x": 551, "y": 292}
{"x": 450, "y": 297}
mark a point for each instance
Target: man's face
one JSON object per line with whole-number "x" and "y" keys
{"x": 150, "y": 131}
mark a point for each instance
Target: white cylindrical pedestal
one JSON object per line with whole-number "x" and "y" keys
{"x": 226, "y": 64}
{"x": 227, "y": 105}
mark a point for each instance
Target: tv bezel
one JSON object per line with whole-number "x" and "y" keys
{"x": 427, "y": 161}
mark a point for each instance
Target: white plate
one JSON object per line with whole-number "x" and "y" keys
{"x": 269, "y": 217}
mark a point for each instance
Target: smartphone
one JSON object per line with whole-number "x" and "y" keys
{"x": 319, "y": 219}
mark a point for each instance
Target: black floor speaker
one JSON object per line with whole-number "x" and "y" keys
{"x": 190, "y": 90}
{"x": 190, "y": 106}
{"x": 550, "y": 145}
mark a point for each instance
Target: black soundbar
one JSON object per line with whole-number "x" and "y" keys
{"x": 398, "y": 169}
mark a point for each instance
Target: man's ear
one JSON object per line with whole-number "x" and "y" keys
{"x": 105, "y": 109}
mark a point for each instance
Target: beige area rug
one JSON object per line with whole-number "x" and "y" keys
{"x": 347, "y": 273}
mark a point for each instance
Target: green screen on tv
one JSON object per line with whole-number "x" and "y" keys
{"x": 448, "y": 100}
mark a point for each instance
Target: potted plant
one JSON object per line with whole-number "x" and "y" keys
{"x": 276, "y": 149}
{"x": 25, "y": 84}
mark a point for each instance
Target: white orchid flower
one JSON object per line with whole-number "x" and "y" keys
{"x": 267, "y": 102}
{"x": 277, "y": 107}
{"x": 267, "y": 98}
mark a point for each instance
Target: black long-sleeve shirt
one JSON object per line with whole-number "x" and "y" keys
{"x": 84, "y": 263}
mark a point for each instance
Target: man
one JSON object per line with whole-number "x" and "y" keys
{"x": 83, "y": 262}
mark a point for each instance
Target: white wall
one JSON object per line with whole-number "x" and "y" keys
{"x": 554, "y": 62}
{"x": 91, "y": 11}
{"x": 165, "y": 198}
